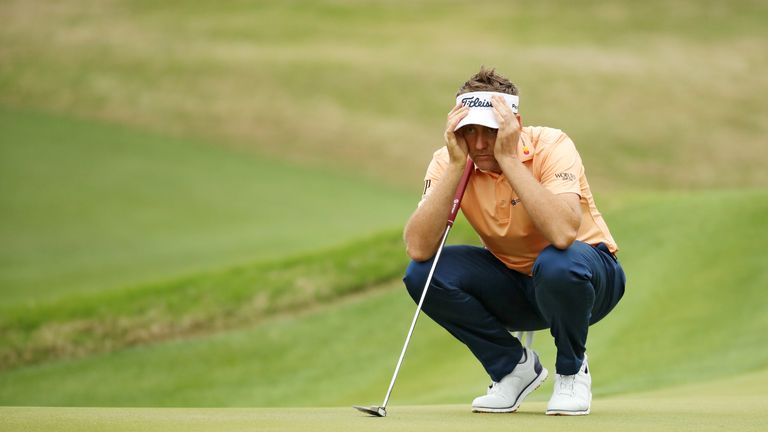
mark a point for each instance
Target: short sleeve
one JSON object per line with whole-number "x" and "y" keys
{"x": 562, "y": 168}
{"x": 434, "y": 173}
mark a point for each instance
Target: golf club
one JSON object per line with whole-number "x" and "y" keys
{"x": 381, "y": 411}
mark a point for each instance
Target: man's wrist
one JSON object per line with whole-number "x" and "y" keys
{"x": 508, "y": 159}
{"x": 458, "y": 164}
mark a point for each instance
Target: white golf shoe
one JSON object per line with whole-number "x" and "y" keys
{"x": 572, "y": 394}
{"x": 507, "y": 394}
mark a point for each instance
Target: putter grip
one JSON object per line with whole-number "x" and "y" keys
{"x": 460, "y": 191}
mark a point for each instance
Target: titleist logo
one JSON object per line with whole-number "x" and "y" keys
{"x": 476, "y": 102}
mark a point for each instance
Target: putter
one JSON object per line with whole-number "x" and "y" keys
{"x": 381, "y": 411}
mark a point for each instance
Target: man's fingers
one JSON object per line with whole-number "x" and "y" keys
{"x": 497, "y": 112}
{"x": 455, "y": 117}
{"x": 504, "y": 114}
{"x": 453, "y": 139}
{"x": 498, "y": 104}
{"x": 457, "y": 147}
{"x": 500, "y": 117}
{"x": 458, "y": 110}
{"x": 455, "y": 108}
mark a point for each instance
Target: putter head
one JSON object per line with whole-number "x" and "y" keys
{"x": 375, "y": 411}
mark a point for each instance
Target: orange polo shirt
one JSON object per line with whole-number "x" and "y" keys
{"x": 492, "y": 207}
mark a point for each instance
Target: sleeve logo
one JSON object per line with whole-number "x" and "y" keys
{"x": 566, "y": 176}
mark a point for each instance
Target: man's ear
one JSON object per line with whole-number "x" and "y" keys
{"x": 519, "y": 119}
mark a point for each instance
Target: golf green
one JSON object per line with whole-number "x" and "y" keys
{"x": 732, "y": 404}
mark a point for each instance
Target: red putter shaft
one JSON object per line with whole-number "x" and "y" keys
{"x": 460, "y": 189}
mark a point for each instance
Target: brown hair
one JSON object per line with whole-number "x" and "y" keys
{"x": 488, "y": 80}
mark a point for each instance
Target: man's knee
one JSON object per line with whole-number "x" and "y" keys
{"x": 449, "y": 275}
{"x": 416, "y": 277}
{"x": 557, "y": 270}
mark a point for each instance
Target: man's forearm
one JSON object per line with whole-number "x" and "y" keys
{"x": 425, "y": 227}
{"x": 550, "y": 213}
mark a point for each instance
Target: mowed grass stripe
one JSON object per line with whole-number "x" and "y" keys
{"x": 85, "y": 324}
{"x": 87, "y": 206}
{"x": 79, "y": 325}
{"x": 683, "y": 320}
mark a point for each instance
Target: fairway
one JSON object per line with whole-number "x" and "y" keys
{"x": 726, "y": 405}
{"x": 91, "y": 207}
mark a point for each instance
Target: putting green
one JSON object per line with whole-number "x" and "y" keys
{"x": 733, "y": 404}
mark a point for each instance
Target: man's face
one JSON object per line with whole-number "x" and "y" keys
{"x": 480, "y": 143}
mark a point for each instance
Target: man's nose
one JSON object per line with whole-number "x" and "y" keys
{"x": 480, "y": 140}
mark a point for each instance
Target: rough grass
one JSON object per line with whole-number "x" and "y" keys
{"x": 86, "y": 324}
{"x": 107, "y": 321}
{"x": 643, "y": 88}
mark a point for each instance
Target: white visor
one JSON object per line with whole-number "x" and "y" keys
{"x": 480, "y": 111}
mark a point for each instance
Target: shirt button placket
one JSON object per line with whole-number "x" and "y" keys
{"x": 502, "y": 202}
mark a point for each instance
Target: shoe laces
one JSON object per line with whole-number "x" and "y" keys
{"x": 493, "y": 388}
{"x": 565, "y": 384}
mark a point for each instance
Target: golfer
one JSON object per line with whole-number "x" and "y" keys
{"x": 548, "y": 261}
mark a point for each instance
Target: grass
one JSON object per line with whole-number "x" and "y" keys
{"x": 643, "y": 88}
{"x": 158, "y": 162}
{"x": 677, "y": 323}
{"x": 87, "y": 207}
{"x": 79, "y": 325}
{"x": 107, "y": 321}
{"x": 734, "y": 404}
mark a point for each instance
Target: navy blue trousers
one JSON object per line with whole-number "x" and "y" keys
{"x": 479, "y": 300}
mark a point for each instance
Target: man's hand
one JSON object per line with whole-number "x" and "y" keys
{"x": 456, "y": 144}
{"x": 509, "y": 130}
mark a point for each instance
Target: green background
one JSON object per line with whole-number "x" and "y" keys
{"x": 201, "y": 206}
